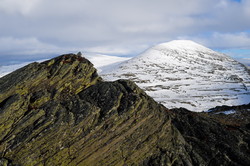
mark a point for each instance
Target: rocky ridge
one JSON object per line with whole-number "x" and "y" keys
{"x": 60, "y": 112}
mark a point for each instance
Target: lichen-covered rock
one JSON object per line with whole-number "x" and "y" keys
{"x": 60, "y": 112}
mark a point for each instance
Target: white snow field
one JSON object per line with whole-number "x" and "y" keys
{"x": 185, "y": 74}
{"x": 103, "y": 62}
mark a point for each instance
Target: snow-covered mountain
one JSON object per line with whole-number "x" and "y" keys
{"x": 185, "y": 74}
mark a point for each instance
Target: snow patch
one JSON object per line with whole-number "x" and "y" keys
{"x": 227, "y": 112}
{"x": 104, "y": 61}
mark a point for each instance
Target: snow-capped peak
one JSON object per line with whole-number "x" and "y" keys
{"x": 182, "y": 45}
{"x": 185, "y": 49}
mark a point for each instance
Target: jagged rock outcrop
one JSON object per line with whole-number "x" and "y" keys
{"x": 60, "y": 112}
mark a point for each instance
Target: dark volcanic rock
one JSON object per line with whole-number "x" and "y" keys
{"x": 59, "y": 112}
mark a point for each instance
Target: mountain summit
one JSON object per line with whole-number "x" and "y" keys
{"x": 182, "y": 73}
{"x": 60, "y": 112}
{"x": 182, "y": 45}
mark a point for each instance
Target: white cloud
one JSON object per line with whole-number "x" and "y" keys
{"x": 116, "y": 49}
{"x": 224, "y": 40}
{"x": 116, "y": 26}
{"x": 33, "y": 48}
{"x": 237, "y": 40}
{"x": 18, "y": 6}
{"x": 107, "y": 50}
{"x": 245, "y": 61}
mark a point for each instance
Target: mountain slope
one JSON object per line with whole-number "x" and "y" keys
{"x": 60, "y": 112}
{"x": 186, "y": 74}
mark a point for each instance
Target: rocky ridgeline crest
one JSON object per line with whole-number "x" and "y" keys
{"x": 60, "y": 112}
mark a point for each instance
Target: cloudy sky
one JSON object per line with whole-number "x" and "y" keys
{"x": 38, "y": 29}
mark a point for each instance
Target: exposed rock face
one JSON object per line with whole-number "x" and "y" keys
{"x": 60, "y": 112}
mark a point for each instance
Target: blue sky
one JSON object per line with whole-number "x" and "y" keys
{"x": 39, "y": 29}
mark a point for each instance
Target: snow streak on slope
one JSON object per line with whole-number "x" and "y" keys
{"x": 4, "y": 70}
{"x": 100, "y": 62}
{"x": 186, "y": 74}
